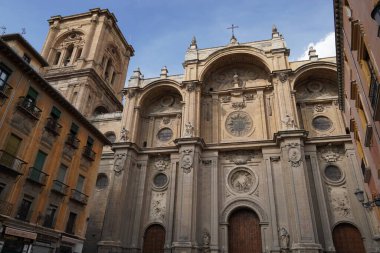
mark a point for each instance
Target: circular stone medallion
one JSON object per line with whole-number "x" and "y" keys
{"x": 160, "y": 180}
{"x": 322, "y": 123}
{"x": 165, "y": 134}
{"x": 239, "y": 123}
{"x": 242, "y": 180}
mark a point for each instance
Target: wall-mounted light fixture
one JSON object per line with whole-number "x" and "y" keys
{"x": 360, "y": 196}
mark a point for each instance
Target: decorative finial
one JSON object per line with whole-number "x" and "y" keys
{"x": 275, "y": 33}
{"x": 233, "y": 40}
{"x": 193, "y": 44}
{"x": 23, "y": 30}
{"x": 164, "y": 72}
{"x": 274, "y": 29}
{"x": 4, "y": 29}
{"x": 312, "y": 54}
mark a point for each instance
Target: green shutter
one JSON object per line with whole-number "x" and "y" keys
{"x": 90, "y": 141}
{"x": 32, "y": 93}
{"x": 74, "y": 129}
{"x": 40, "y": 160}
{"x": 55, "y": 113}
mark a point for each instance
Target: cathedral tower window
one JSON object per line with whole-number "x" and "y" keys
{"x": 69, "y": 53}
{"x": 79, "y": 54}
{"x": 57, "y": 58}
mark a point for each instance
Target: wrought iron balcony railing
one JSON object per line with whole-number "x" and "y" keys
{"x": 28, "y": 106}
{"x": 5, "y": 208}
{"x": 37, "y": 176}
{"x": 5, "y": 89}
{"x": 53, "y": 126}
{"x": 89, "y": 153}
{"x": 11, "y": 163}
{"x": 79, "y": 196}
{"x": 60, "y": 187}
{"x": 72, "y": 140}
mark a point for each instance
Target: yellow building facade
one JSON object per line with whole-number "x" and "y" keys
{"x": 49, "y": 154}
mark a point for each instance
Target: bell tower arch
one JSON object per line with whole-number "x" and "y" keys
{"x": 88, "y": 59}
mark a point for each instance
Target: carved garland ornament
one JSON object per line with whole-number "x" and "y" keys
{"x": 187, "y": 160}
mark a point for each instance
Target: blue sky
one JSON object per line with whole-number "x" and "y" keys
{"x": 161, "y": 30}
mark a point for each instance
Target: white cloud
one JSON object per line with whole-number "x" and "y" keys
{"x": 325, "y": 47}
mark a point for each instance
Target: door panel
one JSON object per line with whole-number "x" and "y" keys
{"x": 347, "y": 239}
{"x": 154, "y": 239}
{"x": 244, "y": 233}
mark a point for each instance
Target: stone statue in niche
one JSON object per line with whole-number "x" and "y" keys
{"x": 119, "y": 163}
{"x": 189, "y": 129}
{"x": 124, "y": 134}
{"x": 187, "y": 160}
{"x": 206, "y": 242}
{"x": 236, "y": 81}
{"x": 284, "y": 239}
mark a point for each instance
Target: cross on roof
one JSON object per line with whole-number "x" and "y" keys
{"x": 232, "y": 28}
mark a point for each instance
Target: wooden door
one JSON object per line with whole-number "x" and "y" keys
{"x": 244, "y": 234}
{"x": 347, "y": 239}
{"x": 154, "y": 239}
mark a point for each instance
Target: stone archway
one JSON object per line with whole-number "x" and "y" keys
{"x": 244, "y": 233}
{"x": 154, "y": 239}
{"x": 347, "y": 239}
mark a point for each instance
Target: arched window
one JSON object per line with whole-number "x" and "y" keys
{"x": 69, "y": 53}
{"x": 57, "y": 58}
{"x": 107, "y": 73}
{"x": 100, "y": 110}
{"x": 111, "y": 136}
{"x": 101, "y": 181}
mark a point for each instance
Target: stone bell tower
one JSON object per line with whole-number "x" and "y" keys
{"x": 88, "y": 60}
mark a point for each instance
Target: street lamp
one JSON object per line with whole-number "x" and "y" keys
{"x": 360, "y": 196}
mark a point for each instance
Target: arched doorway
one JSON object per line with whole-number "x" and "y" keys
{"x": 347, "y": 239}
{"x": 244, "y": 234}
{"x": 154, "y": 239}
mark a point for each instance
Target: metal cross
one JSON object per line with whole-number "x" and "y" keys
{"x": 232, "y": 28}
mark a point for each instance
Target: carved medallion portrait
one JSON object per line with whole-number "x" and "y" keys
{"x": 242, "y": 180}
{"x": 239, "y": 123}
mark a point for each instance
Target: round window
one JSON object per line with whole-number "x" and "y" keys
{"x": 160, "y": 180}
{"x": 165, "y": 134}
{"x": 101, "y": 181}
{"x": 333, "y": 173}
{"x": 322, "y": 123}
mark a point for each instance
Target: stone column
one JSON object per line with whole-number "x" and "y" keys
{"x": 184, "y": 237}
{"x": 264, "y": 130}
{"x": 46, "y": 51}
{"x": 215, "y": 118}
{"x": 90, "y": 36}
{"x": 114, "y": 218}
{"x": 299, "y": 205}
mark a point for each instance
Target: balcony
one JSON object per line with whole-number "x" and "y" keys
{"x": 72, "y": 141}
{"x": 11, "y": 164}
{"x": 53, "y": 126}
{"x": 79, "y": 197}
{"x": 5, "y": 90}
{"x": 29, "y": 108}
{"x": 60, "y": 187}
{"x": 37, "y": 176}
{"x": 5, "y": 208}
{"x": 89, "y": 153}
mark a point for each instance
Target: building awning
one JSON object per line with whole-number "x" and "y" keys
{"x": 20, "y": 233}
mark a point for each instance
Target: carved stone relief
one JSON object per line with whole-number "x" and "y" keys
{"x": 319, "y": 108}
{"x": 225, "y": 99}
{"x": 283, "y": 77}
{"x": 239, "y": 123}
{"x": 227, "y": 78}
{"x": 161, "y": 164}
{"x": 339, "y": 202}
{"x": 284, "y": 239}
{"x": 206, "y": 241}
{"x": 249, "y": 96}
{"x": 330, "y": 153}
{"x": 315, "y": 90}
{"x": 242, "y": 180}
{"x": 158, "y": 206}
{"x": 240, "y": 157}
{"x": 294, "y": 154}
{"x": 189, "y": 130}
{"x": 119, "y": 163}
{"x": 187, "y": 160}
{"x": 238, "y": 105}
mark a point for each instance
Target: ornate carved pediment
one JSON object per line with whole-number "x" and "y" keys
{"x": 240, "y": 157}
{"x": 235, "y": 77}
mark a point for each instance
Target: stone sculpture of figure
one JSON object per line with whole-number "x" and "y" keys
{"x": 236, "y": 80}
{"x": 289, "y": 122}
{"x": 206, "y": 242}
{"x": 124, "y": 134}
{"x": 284, "y": 239}
{"x": 189, "y": 130}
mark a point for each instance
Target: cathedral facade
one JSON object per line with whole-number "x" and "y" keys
{"x": 244, "y": 152}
